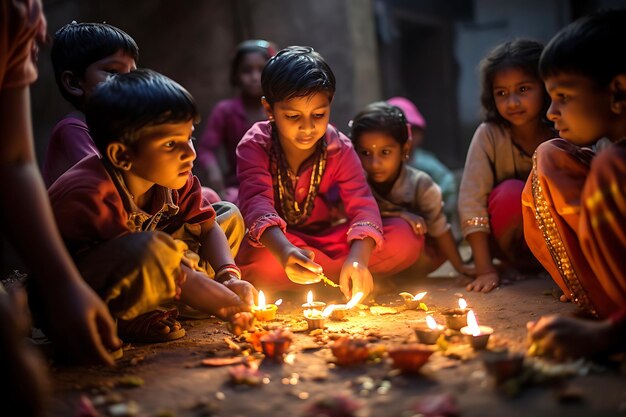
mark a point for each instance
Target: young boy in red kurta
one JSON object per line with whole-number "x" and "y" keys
{"x": 289, "y": 168}
{"x": 135, "y": 218}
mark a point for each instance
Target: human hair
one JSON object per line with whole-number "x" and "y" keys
{"x": 125, "y": 103}
{"x": 520, "y": 53}
{"x": 582, "y": 46}
{"x": 251, "y": 46}
{"x": 77, "y": 45}
{"x": 296, "y": 71}
{"x": 382, "y": 117}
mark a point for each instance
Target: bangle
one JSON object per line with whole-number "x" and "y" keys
{"x": 227, "y": 269}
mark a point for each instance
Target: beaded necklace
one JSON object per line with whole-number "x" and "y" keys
{"x": 284, "y": 191}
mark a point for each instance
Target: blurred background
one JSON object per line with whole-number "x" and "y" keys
{"x": 426, "y": 50}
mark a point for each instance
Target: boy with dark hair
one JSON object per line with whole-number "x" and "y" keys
{"x": 574, "y": 200}
{"x": 135, "y": 220}
{"x": 83, "y": 55}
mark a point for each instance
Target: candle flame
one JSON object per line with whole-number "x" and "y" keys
{"x": 355, "y": 300}
{"x": 420, "y": 296}
{"x": 462, "y": 304}
{"x": 431, "y": 322}
{"x": 329, "y": 309}
{"x": 278, "y": 302}
{"x": 309, "y": 297}
{"x": 261, "y": 299}
{"x": 472, "y": 323}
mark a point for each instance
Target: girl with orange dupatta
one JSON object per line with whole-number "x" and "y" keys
{"x": 574, "y": 202}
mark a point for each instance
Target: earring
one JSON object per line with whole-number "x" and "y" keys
{"x": 406, "y": 156}
{"x": 126, "y": 165}
{"x": 271, "y": 118}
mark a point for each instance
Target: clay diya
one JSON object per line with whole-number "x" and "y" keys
{"x": 263, "y": 311}
{"x": 428, "y": 335}
{"x": 350, "y": 351}
{"x": 411, "y": 357}
{"x": 338, "y": 311}
{"x": 456, "y": 318}
{"x": 314, "y": 319}
{"x": 414, "y": 302}
{"x": 477, "y": 336}
{"x": 314, "y": 305}
{"x": 503, "y": 365}
{"x": 275, "y": 344}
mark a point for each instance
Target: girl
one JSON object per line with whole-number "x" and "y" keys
{"x": 231, "y": 118}
{"x": 499, "y": 159}
{"x": 381, "y": 136}
{"x": 288, "y": 168}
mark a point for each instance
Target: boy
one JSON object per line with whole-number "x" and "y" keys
{"x": 129, "y": 217}
{"x": 83, "y": 55}
{"x": 579, "y": 236}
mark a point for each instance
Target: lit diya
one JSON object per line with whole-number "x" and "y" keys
{"x": 314, "y": 318}
{"x": 413, "y": 302}
{"x": 429, "y": 334}
{"x": 410, "y": 357}
{"x": 263, "y": 311}
{"x": 310, "y": 304}
{"x": 338, "y": 311}
{"x": 477, "y": 336}
{"x": 456, "y": 318}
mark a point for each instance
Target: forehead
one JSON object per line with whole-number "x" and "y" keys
{"x": 253, "y": 58}
{"x": 376, "y": 139}
{"x": 511, "y": 75}
{"x": 166, "y": 130}
{"x": 310, "y": 102}
{"x": 569, "y": 81}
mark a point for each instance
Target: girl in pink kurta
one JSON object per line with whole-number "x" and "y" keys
{"x": 289, "y": 168}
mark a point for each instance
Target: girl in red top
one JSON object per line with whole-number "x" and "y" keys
{"x": 289, "y": 168}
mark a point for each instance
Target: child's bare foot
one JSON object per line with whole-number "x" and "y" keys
{"x": 484, "y": 282}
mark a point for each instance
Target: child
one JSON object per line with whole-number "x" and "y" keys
{"x": 129, "y": 216}
{"x": 380, "y": 134}
{"x": 426, "y": 161}
{"x": 83, "y": 55}
{"x": 288, "y": 167}
{"x": 231, "y": 118}
{"x": 499, "y": 160}
{"x": 573, "y": 202}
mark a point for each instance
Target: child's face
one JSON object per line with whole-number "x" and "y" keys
{"x": 249, "y": 74}
{"x": 163, "y": 155}
{"x": 381, "y": 156}
{"x": 580, "y": 109}
{"x": 97, "y": 72}
{"x": 518, "y": 96}
{"x": 301, "y": 121}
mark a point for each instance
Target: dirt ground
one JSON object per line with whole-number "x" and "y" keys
{"x": 168, "y": 379}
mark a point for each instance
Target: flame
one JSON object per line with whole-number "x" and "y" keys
{"x": 278, "y": 302}
{"x": 431, "y": 322}
{"x": 329, "y": 309}
{"x": 419, "y": 296}
{"x": 472, "y": 323}
{"x": 462, "y": 304}
{"x": 261, "y": 300}
{"x": 355, "y": 300}
{"x": 309, "y": 297}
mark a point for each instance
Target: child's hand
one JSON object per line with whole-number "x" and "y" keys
{"x": 361, "y": 279}
{"x": 299, "y": 266}
{"x": 484, "y": 282}
{"x": 563, "y": 337}
{"x": 246, "y": 291}
{"x": 418, "y": 224}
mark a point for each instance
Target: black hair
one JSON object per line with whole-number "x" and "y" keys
{"x": 590, "y": 46}
{"x": 520, "y": 53}
{"x": 77, "y": 45}
{"x": 251, "y": 46}
{"x": 296, "y": 71}
{"x": 125, "y": 103}
{"x": 382, "y": 117}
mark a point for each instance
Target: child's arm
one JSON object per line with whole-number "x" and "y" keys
{"x": 298, "y": 263}
{"x": 486, "y": 275}
{"x": 355, "y": 269}
{"x": 79, "y": 321}
{"x": 448, "y": 247}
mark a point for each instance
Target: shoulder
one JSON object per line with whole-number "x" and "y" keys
{"x": 260, "y": 134}
{"x": 69, "y": 123}
{"x": 89, "y": 176}
{"x": 490, "y": 131}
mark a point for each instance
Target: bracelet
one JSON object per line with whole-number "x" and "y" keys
{"x": 230, "y": 269}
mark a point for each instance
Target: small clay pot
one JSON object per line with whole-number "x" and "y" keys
{"x": 410, "y": 358}
{"x": 428, "y": 336}
{"x": 456, "y": 318}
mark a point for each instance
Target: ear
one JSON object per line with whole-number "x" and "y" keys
{"x": 268, "y": 109}
{"x": 120, "y": 155}
{"x": 406, "y": 148}
{"x": 71, "y": 84}
{"x": 618, "y": 94}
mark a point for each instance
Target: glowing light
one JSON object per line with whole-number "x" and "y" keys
{"x": 309, "y": 298}
{"x": 420, "y": 296}
{"x": 462, "y": 304}
{"x": 431, "y": 322}
{"x": 472, "y": 323}
{"x": 355, "y": 300}
{"x": 261, "y": 300}
{"x": 278, "y": 302}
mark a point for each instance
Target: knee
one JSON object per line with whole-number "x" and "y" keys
{"x": 400, "y": 240}
{"x": 229, "y": 218}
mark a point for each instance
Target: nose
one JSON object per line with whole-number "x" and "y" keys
{"x": 308, "y": 124}
{"x": 189, "y": 152}
{"x": 513, "y": 100}
{"x": 553, "y": 112}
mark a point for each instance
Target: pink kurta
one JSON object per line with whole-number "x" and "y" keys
{"x": 331, "y": 243}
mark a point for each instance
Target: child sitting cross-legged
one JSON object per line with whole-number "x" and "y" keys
{"x": 135, "y": 220}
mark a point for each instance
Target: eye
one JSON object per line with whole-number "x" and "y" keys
{"x": 291, "y": 116}
{"x": 319, "y": 115}
{"x": 170, "y": 144}
{"x": 364, "y": 152}
{"x": 524, "y": 89}
{"x": 499, "y": 93}
{"x": 386, "y": 152}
